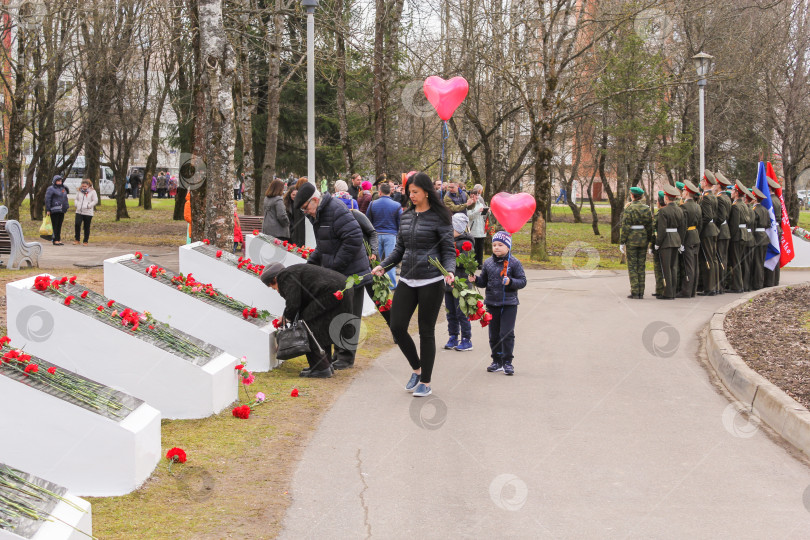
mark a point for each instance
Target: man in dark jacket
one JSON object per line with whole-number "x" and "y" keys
{"x": 724, "y": 236}
{"x": 354, "y": 187}
{"x": 668, "y": 240}
{"x": 693, "y": 216}
{"x": 709, "y": 231}
{"x": 738, "y": 229}
{"x": 339, "y": 247}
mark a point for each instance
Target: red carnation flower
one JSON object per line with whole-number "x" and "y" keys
{"x": 458, "y": 253}
{"x": 177, "y": 455}
{"x": 466, "y": 246}
{"x": 246, "y": 313}
{"x": 52, "y": 370}
{"x": 63, "y": 280}
{"x": 138, "y": 255}
{"x": 206, "y": 241}
{"x": 84, "y": 294}
{"x": 4, "y": 340}
{"x": 285, "y": 243}
{"x": 42, "y": 282}
{"x": 111, "y": 303}
{"x": 294, "y": 392}
{"x": 239, "y": 367}
{"x": 69, "y": 299}
{"x": 255, "y": 232}
{"x": 339, "y": 295}
{"x": 151, "y": 327}
{"x": 72, "y": 280}
{"x": 31, "y": 368}
{"x": 219, "y": 253}
{"x": 243, "y": 412}
{"x": 254, "y": 312}
{"x": 100, "y": 308}
{"x": 276, "y": 323}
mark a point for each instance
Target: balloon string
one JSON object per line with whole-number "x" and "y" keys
{"x": 445, "y": 136}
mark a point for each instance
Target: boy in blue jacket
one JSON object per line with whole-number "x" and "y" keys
{"x": 502, "y": 280}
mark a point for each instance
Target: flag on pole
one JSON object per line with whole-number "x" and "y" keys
{"x": 787, "y": 238}
{"x": 774, "y": 253}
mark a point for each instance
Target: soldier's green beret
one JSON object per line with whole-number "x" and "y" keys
{"x": 661, "y": 194}
{"x": 672, "y": 190}
{"x": 635, "y": 190}
{"x": 709, "y": 175}
{"x": 722, "y": 179}
{"x": 679, "y": 185}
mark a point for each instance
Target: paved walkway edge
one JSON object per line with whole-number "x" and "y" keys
{"x": 772, "y": 405}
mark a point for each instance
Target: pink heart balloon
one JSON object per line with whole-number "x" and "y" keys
{"x": 513, "y": 211}
{"x": 446, "y": 96}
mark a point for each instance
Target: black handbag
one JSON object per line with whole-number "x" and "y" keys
{"x": 295, "y": 340}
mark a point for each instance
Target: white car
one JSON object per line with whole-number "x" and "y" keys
{"x": 105, "y": 185}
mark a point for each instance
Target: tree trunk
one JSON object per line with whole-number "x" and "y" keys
{"x": 274, "y": 43}
{"x": 216, "y": 121}
{"x": 245, "y": 108}
{"x": 16, "y": 193}
{"x": 541, "y": 138}
{"x": 343, "y": 122}
{"x": 151, "y": 161}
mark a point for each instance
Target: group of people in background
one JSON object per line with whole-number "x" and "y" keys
{"x": 706, "y": 240}
{"x": 163, "y": 185}
{"x": 370, "y": 229}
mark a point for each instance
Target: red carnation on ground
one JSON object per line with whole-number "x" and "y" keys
{"x": 100, "y": 308}
{"x": 255, "y": 232}
{"x": 84, "y": 294}
{"x": 138, "y": 255}
{"x": 72, "y": 280}
{"x": 111, "y": 303}
{"x": 243, "y": 412}
{"x": 294, "y": 392}
{"x": 206, "y": 241}
{"x": 176, "y": 455}
{"x": 63, "y": 280}
{"x": 339, "y": 295}
{"x": 69, "y": 299}
{"x": 31, "y": 368}
{"x": 219, "y": 253}
{"x": 466, "y": 246}
{"x": 52, "y": 370}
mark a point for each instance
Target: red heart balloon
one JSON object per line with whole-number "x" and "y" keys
{"x": 513, "y": 211}
{"x": 446, "y": 96}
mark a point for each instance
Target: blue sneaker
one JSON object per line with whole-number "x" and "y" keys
{"x": 495, "y": 366}
{"x": 412, "y": 382}
{"x": 508, "y": 369}
{"x": 465, "y": 345}
{"x": 452, "y": 343}
{"x": 422, "y": 390}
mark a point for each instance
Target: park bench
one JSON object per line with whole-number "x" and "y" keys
{"x": 3, "y": 212}
{"x": 251, "y": 223}
{"x": 14, "y": 245}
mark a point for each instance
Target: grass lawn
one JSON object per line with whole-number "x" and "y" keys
{"x": 804, "y": 219}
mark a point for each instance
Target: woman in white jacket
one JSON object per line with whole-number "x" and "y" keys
{"x": 86, "y": 201}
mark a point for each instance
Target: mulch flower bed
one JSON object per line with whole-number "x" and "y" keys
{"x": 772, "y": 335}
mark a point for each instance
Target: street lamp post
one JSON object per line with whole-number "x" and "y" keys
{"x": 702, "y": 65}
{"x": 311, "y": 6}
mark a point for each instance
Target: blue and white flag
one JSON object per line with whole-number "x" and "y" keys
{"x": 772, "y": 256}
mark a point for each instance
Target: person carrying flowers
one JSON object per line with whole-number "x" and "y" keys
{"x": 502, "y": 276}
{"x": 456, "y": 320}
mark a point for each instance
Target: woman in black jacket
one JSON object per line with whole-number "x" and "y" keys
{"x": 309, "y": 295}
{"x": 425, "y": 232}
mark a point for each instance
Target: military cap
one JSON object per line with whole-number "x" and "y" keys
{"x": 722, "y": 179}
{"x": 691, "y": 187}
{"x": 679, "y": 185}
{"x": 773, "y": 184}
{"x": 709, "y": 175}
{"x": 740, "y": 187}
{"x": 672, "y": 190}
{"x": 635, "y": 190}
{"x": 758, "y": 194}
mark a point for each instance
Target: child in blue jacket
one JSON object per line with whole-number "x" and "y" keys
{"x": 502, "y": 281}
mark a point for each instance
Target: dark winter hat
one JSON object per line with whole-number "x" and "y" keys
{"x": 271, "y": 272}
{"x": 504, "y": 238}
{"x": 305, "y": 193}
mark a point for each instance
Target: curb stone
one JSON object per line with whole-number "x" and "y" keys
{"x": 772, "y": 405}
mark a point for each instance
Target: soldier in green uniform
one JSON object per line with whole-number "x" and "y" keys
{"x": 659, "y": 273}
{"x": 634, "y": 239}
{"x": 671, "y": 229}
{"x": 739, "y": 235}
{"x": 724, "y": 236}
{"x": 691, "y": 243}
{"x": 750, "y": 243}
{"x": 772, "y": 276}
{"x": 762, "y": 224}
{"x": 679, "y": 276}
{"x": 707, "y": 256}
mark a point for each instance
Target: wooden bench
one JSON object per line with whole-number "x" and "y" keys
{"x": 251, "y": 223}
{"x": 14, "y": 245}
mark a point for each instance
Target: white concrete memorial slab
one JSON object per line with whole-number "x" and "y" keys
{"x": 176, "y": 373}
{"x": 225, "y": 273}
{"x": 126, "y": 279}
{"x": 72, "y": 425}
{"x": 61, "y": 514}
{"x": 802, "y": 249}
{"x": 264, "y": 249}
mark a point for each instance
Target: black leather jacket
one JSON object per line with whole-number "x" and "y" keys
{"x": 422, "y": 236}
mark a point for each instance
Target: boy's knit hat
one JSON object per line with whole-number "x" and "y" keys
{"x": 504, "y": 238}
{"x": 341, "y": 185}
{"x": 460, "y": 221}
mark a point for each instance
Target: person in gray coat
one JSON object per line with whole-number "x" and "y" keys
{"x": 276, "y": 221}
